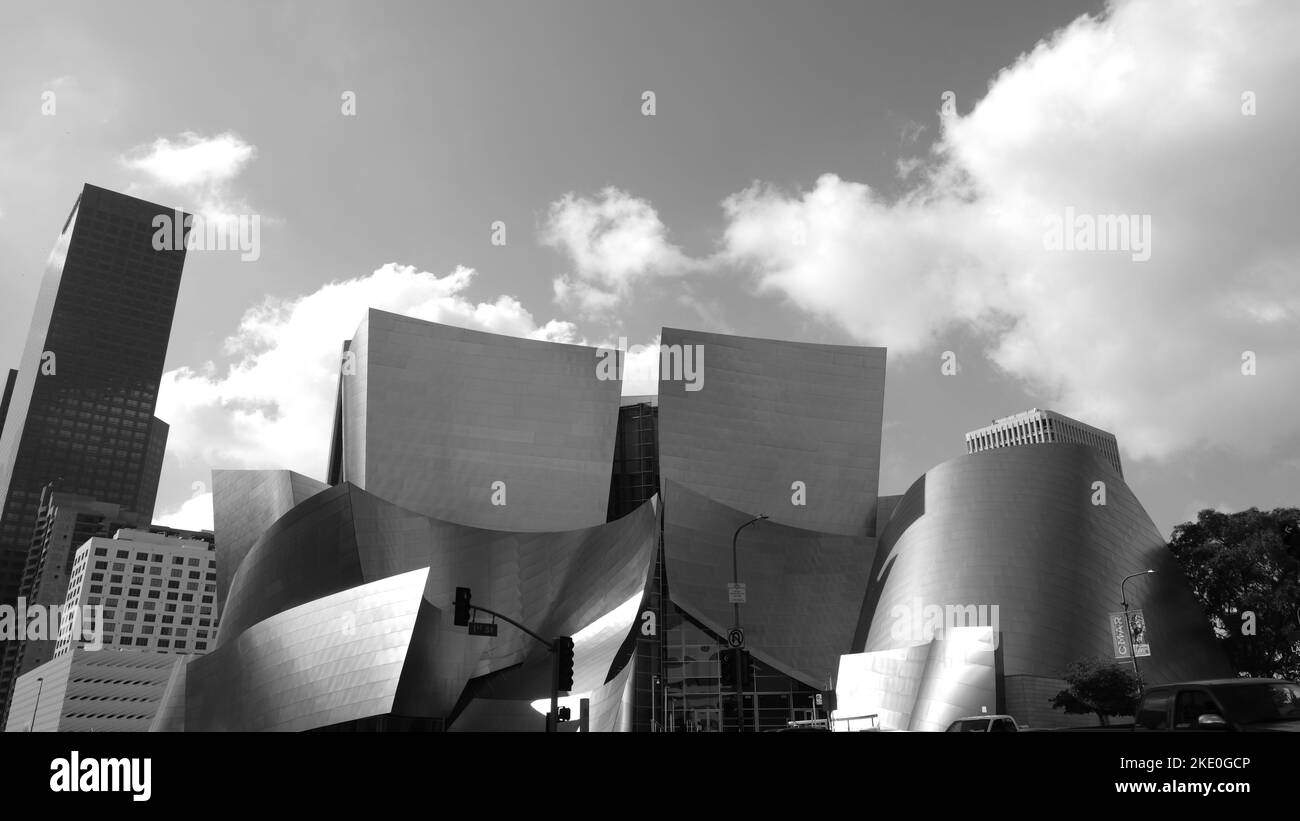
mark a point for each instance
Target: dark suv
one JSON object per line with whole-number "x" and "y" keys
{"x": 1231, "y": 704}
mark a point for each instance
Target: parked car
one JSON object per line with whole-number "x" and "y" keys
{"x": 984, "y": 724}
{"x": 1227, "y": 704}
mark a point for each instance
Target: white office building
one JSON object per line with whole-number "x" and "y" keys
{"x": 1036, "y": 425}
{"x": 158, "y": 594}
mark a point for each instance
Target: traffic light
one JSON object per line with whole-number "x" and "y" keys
{"x": 564, "y": 663}
{"x": 462, "y": 606}
{"x": 727, "y": 660}
{"x": 565, "y": 714}
{"x": 746, "y": 670}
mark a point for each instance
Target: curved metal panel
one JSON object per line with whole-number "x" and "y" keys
{"x": 923, "y": 686}
{"x": 342, "y": 542}
{"x": 434, "y": 416}
{"x": 244, "y": 504}
{"x": 1017, "y": 528}
{"x": 332, "y": 660}
{"x": 764, "y": 414}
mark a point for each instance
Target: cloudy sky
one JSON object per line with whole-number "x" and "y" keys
{"x": 867, "y": 173}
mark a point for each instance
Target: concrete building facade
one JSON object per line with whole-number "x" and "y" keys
{"x": 1036, "y": 426}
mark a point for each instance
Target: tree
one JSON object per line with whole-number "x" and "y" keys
{"x": 1244, "y": 569}
{"x": 1097, "y": 686}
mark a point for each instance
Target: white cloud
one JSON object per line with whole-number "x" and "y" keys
{"x": 1138, "y": 112}
{"x": 640, "y": 366}
{"x": 194, "y": 513}
{"x": 272, "y": 407}
{"x": 611, "y": 241}
{"x": 201, "y": 169}
{"x": 192, "y": 160}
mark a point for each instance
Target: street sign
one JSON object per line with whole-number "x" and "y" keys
{"x": 735, "y": 592}
{"x": 482, "y": 628}
{"x": 817, "y": 699}
{"x": 735, "y": 637}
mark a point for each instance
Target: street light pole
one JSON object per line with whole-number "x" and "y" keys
{"x": 1128, "y": 625}
{"x": 739, "y": 662}
{"x": 40, "y": 685}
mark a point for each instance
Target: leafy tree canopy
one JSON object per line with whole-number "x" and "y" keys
{"x": 1098, "y": 686}
{"x": 1244, "y": 569}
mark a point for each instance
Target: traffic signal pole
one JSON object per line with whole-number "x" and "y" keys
{"x": 562, "y": 645}
{"x": 553, "y": 717}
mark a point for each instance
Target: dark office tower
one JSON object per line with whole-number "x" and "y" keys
{"x": 81, "y": 410}
{"x": 4, "y": 403}
{"x": 635, "y": 477}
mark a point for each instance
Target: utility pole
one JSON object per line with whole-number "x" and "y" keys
{"x": 739, "y": 651}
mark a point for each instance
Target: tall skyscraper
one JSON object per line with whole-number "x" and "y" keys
{"x": 4, "y": 401}
{"x": 81, "y": 409}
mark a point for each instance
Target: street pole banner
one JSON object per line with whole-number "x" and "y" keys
{"x": 1119, "y": 636}
{"x": 1138, "y": 626}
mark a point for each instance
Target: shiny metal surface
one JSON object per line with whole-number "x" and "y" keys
{"x": 804, "y": 588}
{"x": 434, "y": 416}
{"x": 244, "y": 504}
{"x": 335, "y": 659}
{"x": 287, "y": 661}
{"x": 1017, "y": 528}
{"x": 923, "y": 686}
{"x": 768, "y": 414}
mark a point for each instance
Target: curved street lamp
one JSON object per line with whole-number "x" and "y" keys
{"x": 735, "y": 580}
{"x": 1128, "y": 625}
{"x": 40, "y": 685}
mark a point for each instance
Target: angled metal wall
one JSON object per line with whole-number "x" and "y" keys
{"x": 804, "y": 588}
{"x": 764, "y": 414}
{"x": 434, "y": 416}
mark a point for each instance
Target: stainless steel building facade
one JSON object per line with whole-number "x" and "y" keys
{"x": 339, "y": 603}
{"x": 474, "y": 427}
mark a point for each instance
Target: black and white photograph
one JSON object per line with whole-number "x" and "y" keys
{"x": 461, "y": 374}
